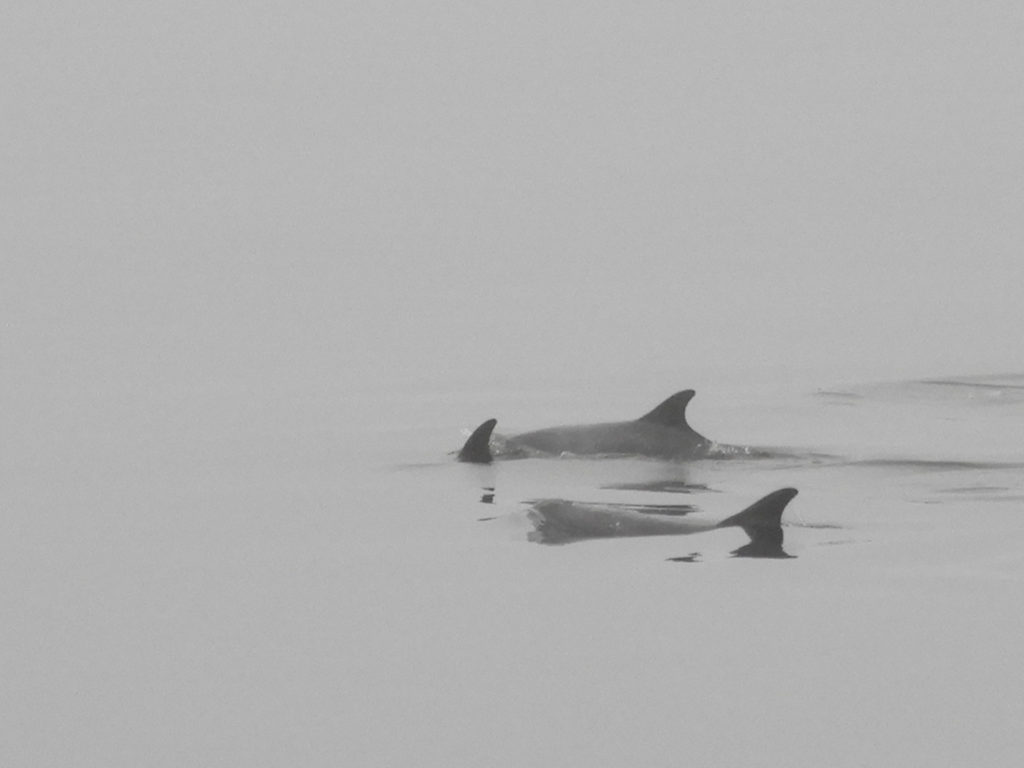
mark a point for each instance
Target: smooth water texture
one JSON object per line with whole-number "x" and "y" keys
{"x": 296, "y": 584}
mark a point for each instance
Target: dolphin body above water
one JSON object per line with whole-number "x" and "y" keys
{"x": 559, "y": 521}
{"x": 663, "y": 433}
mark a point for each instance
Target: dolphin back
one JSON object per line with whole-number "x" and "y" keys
{"x": 663, "y": 432}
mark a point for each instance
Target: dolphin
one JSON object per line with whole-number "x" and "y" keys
{"x": 662, "y": 433}
{"x": 559, "y": 521}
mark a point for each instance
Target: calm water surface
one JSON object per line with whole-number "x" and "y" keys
{"x": 287, "y": 569}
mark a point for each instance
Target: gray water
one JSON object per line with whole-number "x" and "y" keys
{"x": 295, "y": 576}
{"x": 263, "y": 271}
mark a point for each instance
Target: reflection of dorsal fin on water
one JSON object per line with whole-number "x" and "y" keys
{"x": 672, "y": 412}
{"x": 477, "y": 449}
{"x": 761, "y": 521}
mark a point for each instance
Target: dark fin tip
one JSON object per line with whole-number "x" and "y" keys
{"x": 477, "y": 449}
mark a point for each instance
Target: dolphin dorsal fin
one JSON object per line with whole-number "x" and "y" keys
{"x": 477, "y": 449}
{"x": 672, "y": 412}
{"x": 762, "y": 522}
{"x": 765, "y": 513}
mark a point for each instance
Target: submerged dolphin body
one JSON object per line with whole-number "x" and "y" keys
{"x": 559, "y": 521}
{"x": 662, "y": 433}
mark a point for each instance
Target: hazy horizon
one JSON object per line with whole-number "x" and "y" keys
{"x": 400, "y": 186}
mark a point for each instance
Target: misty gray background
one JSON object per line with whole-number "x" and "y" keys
{"x": 192, "y": 187}
{"x": 253, "y": 252}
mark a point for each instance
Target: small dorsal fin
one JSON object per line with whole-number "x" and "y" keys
{"x": 477, "y": 449}
{"x": 672, "y": 412}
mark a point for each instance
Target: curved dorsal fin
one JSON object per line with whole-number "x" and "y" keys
{"x": 763, "y": 514}
{"x": 477, "y": 449}
{"x": 672, "y": 412}
{"x": 762, "y": 522}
